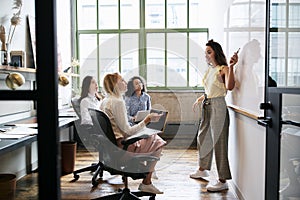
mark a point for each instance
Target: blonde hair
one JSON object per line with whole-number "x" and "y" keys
{"x": 110, "y": 82}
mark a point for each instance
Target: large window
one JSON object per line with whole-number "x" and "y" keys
{"x": 158, "y": 39}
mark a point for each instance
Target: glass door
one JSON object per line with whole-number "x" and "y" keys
{"x": 282, "y": 107}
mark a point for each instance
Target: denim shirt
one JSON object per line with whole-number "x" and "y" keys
{"x": 135, "y": 104}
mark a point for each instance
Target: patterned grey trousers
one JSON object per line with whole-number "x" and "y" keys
{"x": 213, "y": 136}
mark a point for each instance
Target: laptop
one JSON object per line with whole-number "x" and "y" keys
{"x": 161, "y": 124}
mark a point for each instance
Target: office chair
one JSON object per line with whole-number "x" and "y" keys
{"x": 84, "y": 133}
{"x": 118, "y": 161}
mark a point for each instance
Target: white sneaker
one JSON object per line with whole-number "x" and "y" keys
{"x": 154, "y": 175}
{"x": 149, "y": 188}
{"x": 199, "y": 174}
{"x": 219, "y": 186}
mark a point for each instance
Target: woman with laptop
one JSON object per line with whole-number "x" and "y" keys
{"x": 136, "y": 98}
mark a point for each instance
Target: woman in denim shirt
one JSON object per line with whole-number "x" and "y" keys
{"x": 136, "y": 98}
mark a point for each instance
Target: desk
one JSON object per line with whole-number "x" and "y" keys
{"x": 10, "y": 145}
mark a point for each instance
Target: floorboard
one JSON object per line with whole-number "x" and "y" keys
{"x": 173, "y": 178}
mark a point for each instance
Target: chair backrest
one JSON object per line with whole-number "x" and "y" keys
{"x": 115, "y": 159}
{"x": 102, "y": 125}
{"x": 76, "y": 105}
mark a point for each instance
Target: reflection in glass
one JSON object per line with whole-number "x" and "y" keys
{"x": 239, "y": 15}
{"x": 278, "y": 14}
{"x": 87, "y": 14}
{"x": 176, "y": 13}
{"x": 130, "y": 14}
{"x": 154, "y": 14}
{"x": 290, "y": 149}
{"x": 293, "y": 60}
{"x": 277, "y": 56}
{"x": 294, "y": 10}
{"x": 108, "y": 14}
{"x": 198, "y": 12}
{"x": 258, "y": 13}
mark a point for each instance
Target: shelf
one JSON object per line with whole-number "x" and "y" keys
{"x": 16, "y": 69}
{"x": 69, "y": 74}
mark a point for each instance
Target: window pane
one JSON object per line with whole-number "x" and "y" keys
{"x": 176, "y": 13}
{"x": 197, "y": 64}
{"x": 130, "y": 18}
{"x": 88, "y": 54}
{"x": 277, "y": 63}
{"x": 154, "y": 14}
{"x": 87, "y": 14}
{"x": 176, "y": 60}
{"x": 155, "y": 59}
{"x": 294, "y": 14}
{"x": 108, "y": 14}
{"x": 129, "y": 54}
{"x": 108, "y": 54}
{"x": 289, "y": 147}
{"x": 294, "y": 60}
{"x": 278, "y": 13}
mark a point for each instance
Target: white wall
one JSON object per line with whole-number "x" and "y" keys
{"x": 247, "y": 156}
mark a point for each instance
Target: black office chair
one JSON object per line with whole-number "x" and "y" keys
{"x": 119, "y": 161}
{"x": 84, "y": 134}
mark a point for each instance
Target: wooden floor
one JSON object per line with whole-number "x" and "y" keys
{"x": 173, "y": 178}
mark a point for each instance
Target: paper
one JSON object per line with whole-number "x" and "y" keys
{"x": 8, "y": 136}
{"x": 141, "y": 115}
{"x": 28, "y": 125}
{"x": 19, "y": 130}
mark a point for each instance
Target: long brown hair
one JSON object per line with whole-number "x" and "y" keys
{"x": 85, "y": 88}
{"x": 219, "y": 54}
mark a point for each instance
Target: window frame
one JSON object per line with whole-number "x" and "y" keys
{"x": 142, "y": 32}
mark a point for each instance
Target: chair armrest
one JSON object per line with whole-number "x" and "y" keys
{"x": 133, "y": 139}
{"x": 142, "y": 134}
{"x": 147, "y": 158}
{"x": 87, "y": 126}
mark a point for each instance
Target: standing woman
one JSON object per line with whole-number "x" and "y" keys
{"x": 89, "y": 98}
{"x": 136, "y": 97}
{"x": 214, "y": 126}
{"x": 114, "y": 106}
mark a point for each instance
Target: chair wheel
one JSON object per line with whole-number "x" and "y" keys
{"x": 76, "y": 176}
{"x": 95, "y": 183}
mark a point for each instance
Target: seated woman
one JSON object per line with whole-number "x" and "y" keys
{"x": 136, "y": 97}
{"x": 89, "y": 98}
{"x": 114, "y": 106}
